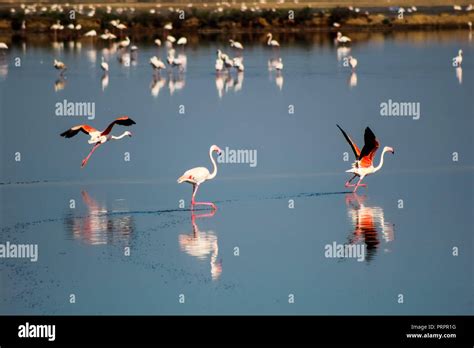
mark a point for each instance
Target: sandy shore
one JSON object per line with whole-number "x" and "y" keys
{"x": 221, "y": 17}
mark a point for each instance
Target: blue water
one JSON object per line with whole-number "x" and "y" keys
{"x": 136, "y": 203}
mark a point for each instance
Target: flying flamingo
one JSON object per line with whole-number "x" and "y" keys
{"x": 363, "y": 165}
{"x": 198, "y": 175}
{"x": 97, "y": 137}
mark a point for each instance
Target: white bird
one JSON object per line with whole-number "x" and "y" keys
{"x": 271, "y": 42}
{"x": 342, "y": 39}
{"x": 124, "y": 43}
{"x": 182, "y": 41}
{"x": 3, "y": 46}
{"x": 457, "y": 8}
{"x": 278, "y": 65}
{"x": 121, "y": 26}
{"x": 236, "y": 44}
{"x": 104, "y": 65}
{"x": 58, "y": 65}
{"x": 336, "y": 25}
{"x": 219, "y": 65}
{"x": 158, "y": 42}
{"x": 171, "y": 39}
{"x": 78, "y": 27}
{"x": 238, "y": 64}
{"x": 91, "y": 33}
{"x": 168, "y": 26}
{"x": 70, "y": 26}
{"x": 352, "y": 62}
{"x": 157, "y": 63}
{"x": 469, "y": 24}
{"x": 198, "y": 175}
{"x": 57, "y": 26}
{"x": 457, "y": 61}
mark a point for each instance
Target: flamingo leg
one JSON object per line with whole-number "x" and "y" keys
{"x": 84, "y": 161}
{"x": 348, "y": 183}
{"x": 193, "y": 202}
{"x": 359, "y": 184}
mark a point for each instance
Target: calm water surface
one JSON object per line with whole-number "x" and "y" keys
{"x": 136, "y": 204}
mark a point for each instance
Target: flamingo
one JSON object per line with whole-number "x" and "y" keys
{"x": 97, "y": 137}
{"x": 198, "y": 175}
{"x": 236, "y": 44}
{"x": 458, "y": 59}
{"x": 363, "y": 165}
{"x": 278, "y": 65}
{"x": 238, "y": 64}
{"x": 182, "y": 41}
{"x": 158, "y": 42}
{"x": 157, "y": 63}
{"x": 3, "y": 46}
{"x": 352, "y": 62}
{"x": 124, "y": 43}
{"x": 58, "y": 65}
{"x": 271, "y": 42}
{"x": 104, "y": 65}
{"x": 341, "y": 39}
{"x": 219, "y": 65}
{"x": 91, "y": 33}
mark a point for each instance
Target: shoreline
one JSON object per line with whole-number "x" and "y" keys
{"x": 149, "y": 18}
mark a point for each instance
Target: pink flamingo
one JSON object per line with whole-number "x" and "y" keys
{"x": 363, "y": 164}
{"x": 97, "y": 137}
{"x": 198, "y": 175}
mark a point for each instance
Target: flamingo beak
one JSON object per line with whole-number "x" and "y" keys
{"x": 130, "y": 135}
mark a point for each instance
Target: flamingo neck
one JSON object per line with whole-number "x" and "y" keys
{"x": 269, "y": 39}
{"x": 381, "y": 161}
{"x": 124, "y": 134}
{"x": 214, "y": 171}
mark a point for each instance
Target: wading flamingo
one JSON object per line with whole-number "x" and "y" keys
{"x": 341, "y": 39}
{"x": 457, "y": 61}
{"x": 236, "y": 45}
{"x": 271, "y": 42}
{"x": 58, "y": 65}
{"x": 198, "y": 175}
{"x": 363, "y": 165}
{"x": 352, "y": 62}
{"x": 97, "y": 137}
{"x": 104, "y": 65}
{"x": 157, "y": 64}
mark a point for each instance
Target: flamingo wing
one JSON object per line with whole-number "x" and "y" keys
{"x": 80, "y": 128}
{"x": 195, "y": 175}
{"x": 353, "y": 145}
{"x": 122, "y": 121}
{"x": 370, "y": 148}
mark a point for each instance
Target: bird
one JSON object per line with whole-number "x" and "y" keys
{"x": 457, "y": 61}
{"x": 97, "y": 137}
{"x": 124, "y": 43}
{"x": 341, "y": 39}
{"x": 104, "y": 65}
{"x": 91, "y": 33}
{"x": 352, "y": 62}
{"x": 198, "y": 175}
{"x": 363, "y": 164}
{"x": 3, "y": 46}
{"x": 158, "y": 42}
{"x": 271, "y": 42}
{"x": 219, "y": 65}
{"x": 59, "y": 66}
{"x": 157, "y": 63}
{"x": 278, "y": 65}
{"x": 469, "y": 24}
{"x": 168, "y": 26}
{"x": 236, "y": 44}
{"x": 238, "y": 64}
{"x": 182, "y": 41}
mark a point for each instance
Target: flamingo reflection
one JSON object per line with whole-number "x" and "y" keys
{"x": 369, "y": 225}
{"x": 202, "y": 244}
{"x": 100, "y": 225}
